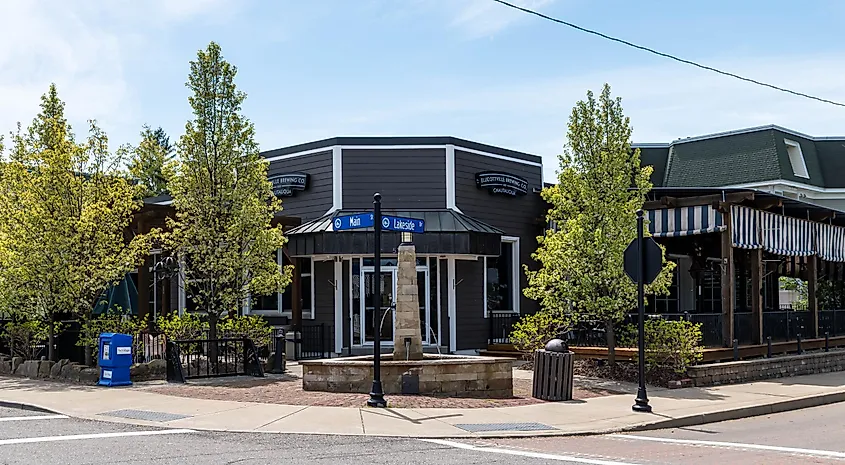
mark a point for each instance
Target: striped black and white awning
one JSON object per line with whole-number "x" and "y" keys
{"x": 783, "y": 235}
{"x": 685, "y": 221}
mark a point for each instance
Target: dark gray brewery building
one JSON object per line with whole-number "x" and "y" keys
{"x": 482, "y": 211}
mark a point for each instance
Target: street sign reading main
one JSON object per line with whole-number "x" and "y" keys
{"x": 361, "y": 220}
{"x": 395, "y": 223}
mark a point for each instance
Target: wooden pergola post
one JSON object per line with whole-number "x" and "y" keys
{"x": 728, "y": 287}
{"x": 812, "y": 301}
{"x": 757, "y": 296}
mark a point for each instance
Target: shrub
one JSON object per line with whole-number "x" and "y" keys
{"x": 114, "y": 321}
{"x": 27, "y": 338}
{"x": 532, "y": 332}
{"x": 669, "y": 344}
{"x": 250, "y": 326}
{"x": 187, "y": 326}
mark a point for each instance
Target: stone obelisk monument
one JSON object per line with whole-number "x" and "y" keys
{"x": 407, "y": 326}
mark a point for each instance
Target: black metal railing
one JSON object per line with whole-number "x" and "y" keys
{"x": 149, "y": 346}
{"x": 832, "y": 322}
{"x": 209, "y": 358}
{"x": 588, "y": 334}
{"x": 313, "y": 342}
{"x": 501, "y": 326}
{"x": 711, "y": 324}
{"x": 786, "y": 325}
{"x": 743, "y": 327}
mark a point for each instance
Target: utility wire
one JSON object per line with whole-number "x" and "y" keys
{"x": 671, "y": 57}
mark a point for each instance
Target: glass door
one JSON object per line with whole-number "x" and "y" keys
{"x": 385, "y": 316}
{"x": 363, "y": 313}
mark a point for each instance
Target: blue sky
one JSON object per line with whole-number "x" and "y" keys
{"x": 468, "y": 68}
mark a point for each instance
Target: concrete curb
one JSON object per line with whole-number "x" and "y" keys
{"x": 26, "y": 406}
{"x": 680, "y": 422}
{"x": 745, "y": 412}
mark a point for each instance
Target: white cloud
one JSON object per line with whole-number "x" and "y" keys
{"x": 83, "y": 47}
{"x": 482, "y": 18}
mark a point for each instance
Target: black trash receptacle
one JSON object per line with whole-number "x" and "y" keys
{"x": 553, "y": 375}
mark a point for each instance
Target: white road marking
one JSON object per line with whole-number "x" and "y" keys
{"x": 34, "y": 417}
{"x": 521, "y": 453}
{"x": 739, "y": 445}
{"x": 77, "y": 437}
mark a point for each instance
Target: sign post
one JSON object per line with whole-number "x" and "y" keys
{"x": 643, "y": 262}
{"x": 377, "y": 392}
{"x": 379, "y": 223}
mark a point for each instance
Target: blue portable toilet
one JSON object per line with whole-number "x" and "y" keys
{"x": 115, "y": 359}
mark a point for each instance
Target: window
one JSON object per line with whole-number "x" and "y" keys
{"x": 796, "y": 159}
{"x": 501, "y": 279}
{"x": 267, "y": 303}
{"x": 284, "y": 300}
{"x": 668, "y": 303}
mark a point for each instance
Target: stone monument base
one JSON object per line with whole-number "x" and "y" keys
{"x": 448, "y": 375}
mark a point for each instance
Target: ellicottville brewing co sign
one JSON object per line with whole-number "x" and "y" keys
{"x": 284, "y": 185}
{"x": 501, "y": 183}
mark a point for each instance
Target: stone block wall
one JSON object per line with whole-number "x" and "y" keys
{"x": 768, "y": 368}
{"x": 483, "y": 377}
{"x": 71, "y": 371}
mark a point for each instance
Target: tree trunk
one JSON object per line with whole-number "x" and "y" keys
{"x": 611, "y": 343}
{"x": 213, "y": 345}
{"x": 51, "y": 340}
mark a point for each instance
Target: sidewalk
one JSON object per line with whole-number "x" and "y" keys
{"x": 672, "y": 408}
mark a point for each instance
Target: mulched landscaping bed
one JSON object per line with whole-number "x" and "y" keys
{"x": 625, "y": 371}
{"x": 288, "y": 390}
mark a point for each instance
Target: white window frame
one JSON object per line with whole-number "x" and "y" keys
{"x": 515, "y": 295}
{"x": 796, "y": 159}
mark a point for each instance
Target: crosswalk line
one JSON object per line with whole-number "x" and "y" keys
{"x": 33, "y": 417}
{"x": 79, "y": 437}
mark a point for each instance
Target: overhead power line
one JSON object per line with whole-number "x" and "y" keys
{"x": 671, "y": 57}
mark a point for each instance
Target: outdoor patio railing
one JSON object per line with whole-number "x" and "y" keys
{"x": 501, "y": 326}
{"x": 832, "y": 322}
{"x": 313, "y": 342}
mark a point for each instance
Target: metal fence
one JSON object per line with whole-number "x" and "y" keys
{"x": 743, "y": 327}
{"x": 501, "y": 326}
{"x": 313, "y": 342}
{"x": 786, "y": 325}
{"x": 832, "y": 322}
{"x": 209, "y": 358}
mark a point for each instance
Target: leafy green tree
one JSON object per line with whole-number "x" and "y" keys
{"x": 65, "y": 209}
{"x": 148, "y": 159}
{"x": 600, "y": 187}
{"x": 224, "y": 204}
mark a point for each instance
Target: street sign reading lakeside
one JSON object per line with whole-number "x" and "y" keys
{"x": 388, "y": 223}
{"x": 394, "y": 223}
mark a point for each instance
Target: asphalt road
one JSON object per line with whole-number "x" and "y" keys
{"x": 810, "y": 436}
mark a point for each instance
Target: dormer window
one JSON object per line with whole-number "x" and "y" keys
{"x": 796, "y": 159}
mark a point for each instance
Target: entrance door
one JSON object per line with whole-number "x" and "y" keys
{"x": 388, "y": 299}
{"x": 364, "y": 326}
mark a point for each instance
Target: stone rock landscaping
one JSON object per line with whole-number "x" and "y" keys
{"x": 65, "y": 370}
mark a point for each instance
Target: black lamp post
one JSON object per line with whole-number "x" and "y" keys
{"x": 641, "y": 402}
{"x": 377, "y": 392}
{"x": 167, "y": 265}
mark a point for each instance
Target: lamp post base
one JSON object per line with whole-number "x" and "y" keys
{"x": 641, "y": 402}
{"x": 376, "y": 399}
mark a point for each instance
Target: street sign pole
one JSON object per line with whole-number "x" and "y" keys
{"x": 377, "y": 392}
{"x": 641, "y": 402}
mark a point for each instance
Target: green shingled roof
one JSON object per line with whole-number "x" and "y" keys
{"x": 745, "y": 156}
